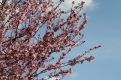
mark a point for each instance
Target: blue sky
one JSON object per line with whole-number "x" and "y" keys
{"x": 104, "y": 27}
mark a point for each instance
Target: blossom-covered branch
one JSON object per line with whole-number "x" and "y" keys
{"x": 31, "y": 31}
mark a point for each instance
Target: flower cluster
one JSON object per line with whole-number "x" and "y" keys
{"x": 24, "y": 54}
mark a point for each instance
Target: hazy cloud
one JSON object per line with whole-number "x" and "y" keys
{"x": 67, "y": 3}
{"x": 54, "y": 78}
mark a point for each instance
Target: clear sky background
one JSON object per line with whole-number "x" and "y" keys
{"x": 104, "y": 27}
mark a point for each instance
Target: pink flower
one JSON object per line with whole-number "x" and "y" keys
{"x": 90, "y": 58}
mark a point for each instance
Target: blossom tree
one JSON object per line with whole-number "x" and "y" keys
{"x": 32, "y": 31}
